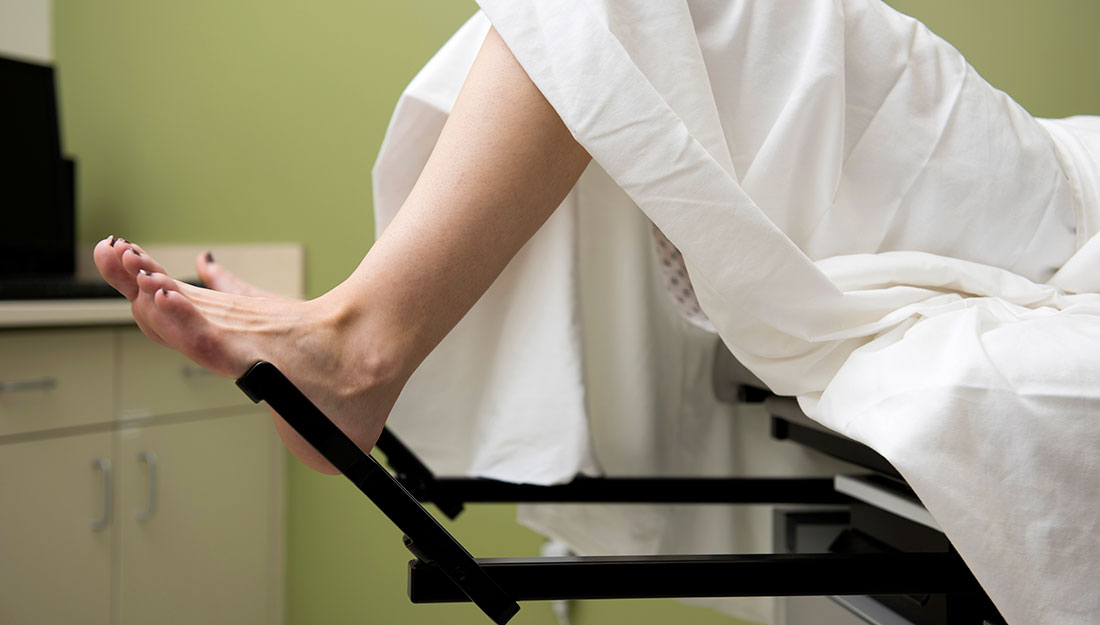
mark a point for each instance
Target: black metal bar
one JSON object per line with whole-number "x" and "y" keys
{"x": 450, "y": 493}
{"x": 835, "y": 446}
{"x": 753, "y": 394}
{"x": 644, "y": 490}
{"x": 416, "y": 477}
{"x": 429, "y": 540}
{"x": 779, "y": 575}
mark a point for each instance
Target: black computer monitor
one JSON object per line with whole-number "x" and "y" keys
{"x": 36, "y": 183}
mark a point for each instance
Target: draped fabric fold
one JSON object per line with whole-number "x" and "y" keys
{"x": 866, "y": 222}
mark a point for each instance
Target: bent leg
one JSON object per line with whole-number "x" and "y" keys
{"x": 503, "y": 163}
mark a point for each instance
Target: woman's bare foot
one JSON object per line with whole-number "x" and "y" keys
{"x": 330, "y": 350}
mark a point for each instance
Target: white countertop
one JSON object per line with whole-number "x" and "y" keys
{"x": 274, "y": 267}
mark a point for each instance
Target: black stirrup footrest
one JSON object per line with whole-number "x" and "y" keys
{"x": 425, "y": 537}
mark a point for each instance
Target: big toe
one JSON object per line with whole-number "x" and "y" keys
{"x": 109, "y": 263}
{"x": 217, "y": 277}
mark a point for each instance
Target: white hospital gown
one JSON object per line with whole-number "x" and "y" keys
{"x": 866, "y": 223}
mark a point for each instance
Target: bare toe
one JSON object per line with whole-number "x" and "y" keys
{"x": 109, "y": 263}
{"x": 151, "y": 282}
{"x": 148, "y": 262}
{"x": 185, "y": 329}
{"x": 144, "y": 306}
{"x": 134, "y": 260}
{"x": 221, "y": 279}
{"x": 143, "y": 309}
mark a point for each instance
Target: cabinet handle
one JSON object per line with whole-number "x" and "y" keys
{"x": 100, "y": 524}
{"x": 41, "y": 384}
{"x": 192, "y": 371}
{"x": 150, "y": 461}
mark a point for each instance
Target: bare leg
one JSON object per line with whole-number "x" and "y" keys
{"x": 503, "y": 162}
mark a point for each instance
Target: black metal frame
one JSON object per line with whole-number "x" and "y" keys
{"x": 759, "y": 575}
{"x": 844, "y": 449}
{"x": 445, "y": 572}
{"x": 425, "y": 537}
{"x": 450, "y": 494}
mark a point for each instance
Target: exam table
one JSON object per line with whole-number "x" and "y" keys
{"x": 884, "y": 556}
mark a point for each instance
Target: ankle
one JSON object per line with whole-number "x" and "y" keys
{"x": 364, "y": 346}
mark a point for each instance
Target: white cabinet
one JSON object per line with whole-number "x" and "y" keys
{"x": 134, "y": 488}
{"x": 196, "y": 519}
{"x": 55, "y": 379}
{"x": 55, "y": 533}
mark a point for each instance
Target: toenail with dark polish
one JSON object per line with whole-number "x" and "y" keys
{"x": 164, "y": 292}
{"x": 210, "y": 257}
{"x": 136, "y": 253}
{"x": 111, "y": 240}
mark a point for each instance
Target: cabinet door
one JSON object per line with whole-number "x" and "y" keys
{"x": 52, "y": 379}
{"x": 200, "y": 522}
{"x": 154, "y": 380}
{"x": 55, "y": 540}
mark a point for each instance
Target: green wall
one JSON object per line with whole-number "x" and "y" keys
{"x": 238, "y": 121}
{"x": 248, "y": 121}
{"x": 1044, "y": 54}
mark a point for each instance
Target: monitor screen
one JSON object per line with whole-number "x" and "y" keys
{"x": 35, "y": 183}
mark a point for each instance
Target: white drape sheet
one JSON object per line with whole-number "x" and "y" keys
{"x": 868, "y": 225}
